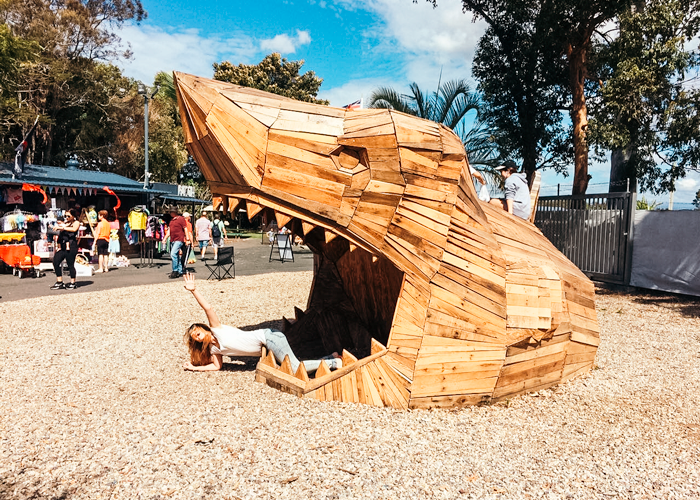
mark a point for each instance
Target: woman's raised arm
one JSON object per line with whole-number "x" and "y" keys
{"x": 211, "y": 315}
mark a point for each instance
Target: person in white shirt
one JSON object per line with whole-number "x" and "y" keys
{"x": 208, "y": 344}
{"x": 203, "y": 232}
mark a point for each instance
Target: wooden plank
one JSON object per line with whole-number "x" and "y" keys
{"x": 477, "y": 315}
{"x": 439, "y": 385}
{"x": 285, "y": 180}
{"x": 282, "y": 219}
{"x": 286, "y": 366}
{"x": 318, "y": 164}
{"x": 548, "y": 379}
{"x": 379, "y": 141}
{"x": 294, "y": 121}
{"x": 371, "y": 392}
{"x": 572, "y": 371}
{"x": 281, "y": 378}
{"x": 362, "y": 395}
{"x": 585, "y": 338}
{"x": 248, "y": 166}
{"x": 301, "y": 373}
{"x": 448, "y": 402}
{"x": 392, "y": 395}
{"x": 264, "y": 114}
{"x": 348, "y": 388}
{"x": 401, "y": 364}
{"x": 252, "y": 209}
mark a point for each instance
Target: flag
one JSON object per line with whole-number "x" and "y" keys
{"x": 21, "y": 150}
{"x": 32, "y": 187}
{"x": 354, "y": 105}
{"x": 119, "y": 202}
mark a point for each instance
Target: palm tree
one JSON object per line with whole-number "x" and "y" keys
{"x": 449, "y": 104}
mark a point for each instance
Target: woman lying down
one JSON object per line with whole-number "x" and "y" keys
{"x": 208, "y": 343}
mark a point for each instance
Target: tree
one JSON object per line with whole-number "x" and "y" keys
{"x": 533, "y": 42}
{"x": 696, "y": 201}
{"x": 643, "y": 109}
{"x": 14, "y": 54}
{"x": 83, "y": 101}
{"x": 522, "y": 78}
{"x": 273, "y": 74}
{"x": 166, "y": 143}
{"x": 449, "y": 104}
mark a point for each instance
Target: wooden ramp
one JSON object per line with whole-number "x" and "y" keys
{"x": 436, "y": 299}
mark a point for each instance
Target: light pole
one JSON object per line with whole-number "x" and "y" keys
{"x": 143, "y": 90}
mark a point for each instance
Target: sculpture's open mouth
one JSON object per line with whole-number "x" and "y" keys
{"x": 352, "y": 299}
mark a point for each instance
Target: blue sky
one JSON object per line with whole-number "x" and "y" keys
{"x": 354, "y": 45}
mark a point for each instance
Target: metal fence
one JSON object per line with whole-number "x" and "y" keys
{"x": 593, "y": 231}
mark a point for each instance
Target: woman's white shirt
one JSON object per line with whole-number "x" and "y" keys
{"x": 235, "y": 342}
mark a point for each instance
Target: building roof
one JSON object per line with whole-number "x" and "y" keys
{"x": 69, "y": 177}
{"x": 181, "y": 199}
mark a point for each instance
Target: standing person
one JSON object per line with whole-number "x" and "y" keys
{"x": 102, "y": 241}
{"x": 218, "y": 235}
{"x": 517, "y": 200}
{"x": 68, "y": 241}
{"x": 189, "y": 243}
{"x": 114, "y": 246}
{"x": 209, "y": 343}
{"x": 203, "y": 233}
{"x": 177, "y": 232}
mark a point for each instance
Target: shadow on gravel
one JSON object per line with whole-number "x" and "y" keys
{"x": 686, "y": 305}
{"x": 239, "y": 365}
{"x": 10, "y": 490}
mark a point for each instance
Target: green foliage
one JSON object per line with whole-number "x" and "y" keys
{"x": 273, "y": 74}
{"x": 86, "y": 107}
{"x": 522, "y": 78}
{"x": 642, "y": 101}
{"x": 696, "y": 201}
{"x": 15, "y": 53}
{"x": 643, "y": 204}
{"x": 449, "y": 104}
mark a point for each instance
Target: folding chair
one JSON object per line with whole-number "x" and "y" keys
{"x": 221, "y": 269}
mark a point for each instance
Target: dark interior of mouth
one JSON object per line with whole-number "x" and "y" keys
{"x": 352, "y": 299}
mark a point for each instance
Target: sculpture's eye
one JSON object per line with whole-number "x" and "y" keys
{"x": 350, "y": 159}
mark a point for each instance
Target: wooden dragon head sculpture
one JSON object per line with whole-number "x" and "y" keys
{"x": 436, "y": 299}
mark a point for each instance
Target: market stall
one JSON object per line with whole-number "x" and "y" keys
{"x": 32, "y": 203}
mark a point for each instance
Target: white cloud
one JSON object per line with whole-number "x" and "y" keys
{"x": 429, "y": 39}
{"x": 156, "y": 49}
{"x": 687, "y": 183}
{"x": 352, "y": 91}
{"x": 285, "y": 44}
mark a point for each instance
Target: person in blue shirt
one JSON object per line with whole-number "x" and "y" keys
{"x": 517, "y": 200}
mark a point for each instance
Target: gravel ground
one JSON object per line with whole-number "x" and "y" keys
{"x": 94, "y": 405}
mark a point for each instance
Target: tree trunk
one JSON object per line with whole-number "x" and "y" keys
{"x": 579, "y": 116}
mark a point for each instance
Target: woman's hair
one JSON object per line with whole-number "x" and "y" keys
{"x": 200, "y": 352}
{"x": 74, "y": 212}
{"x": 103, "y": 213}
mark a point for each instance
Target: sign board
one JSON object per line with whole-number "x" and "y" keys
{"x": 284, "y": 245}
{"x": 185, "y": 191}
